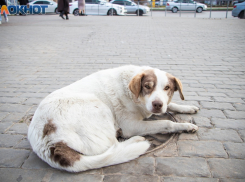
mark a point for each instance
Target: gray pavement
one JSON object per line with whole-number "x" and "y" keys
{"x": 39, "y": 54}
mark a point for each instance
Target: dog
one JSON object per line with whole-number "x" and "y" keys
{"x": 74, "y": 128}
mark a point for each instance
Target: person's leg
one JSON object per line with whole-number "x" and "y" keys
{"x": 0, "y": 18}
{"x": 61, "y": 14}
{"x": 67, "y": 18}
{"x": 5, "y": 16}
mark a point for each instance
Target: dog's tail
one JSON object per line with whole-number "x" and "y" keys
{"x": 118, "y": 153}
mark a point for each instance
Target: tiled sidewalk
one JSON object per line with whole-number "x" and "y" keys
{"x": 39, "y": 54}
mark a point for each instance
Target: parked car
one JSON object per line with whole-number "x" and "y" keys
{"x": 238, "y": 10}
{"x": 236, "y": 2}
{"x": 98, "y": 7}
{"x": 186, "y": 5}
{"x": 131, "y": 7}
{"x": 52, "y": 6}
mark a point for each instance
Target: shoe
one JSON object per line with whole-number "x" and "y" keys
{"x": 67, "y": 18}
{"x": 61, "y": 15}
{"x": 7, "y": 20}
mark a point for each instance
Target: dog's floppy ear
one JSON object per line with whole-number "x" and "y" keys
{"x": 178, "y": 86}
{"x": 135, "y": 84}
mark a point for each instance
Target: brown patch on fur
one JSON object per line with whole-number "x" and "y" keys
{"x": 149, "y": 80}
{"x": 135, "y": 84}
{"x": 174, "y": 85}
{"x": 49, "y": 128}
{"x": 119, "y": 133}
{"x": 142, "y": 80}
{"x": 63, "y": 154}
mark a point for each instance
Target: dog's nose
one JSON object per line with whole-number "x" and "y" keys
{"x": 157, "y": 104}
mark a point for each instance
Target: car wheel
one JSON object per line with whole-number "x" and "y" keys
{"x": 112, "y": 12}
{"x": 140, "y": 12}
{"x": 76, "y": 12}
{"x": 241, "y": 15}
{"x": 199, "y": 10}
{"x": 56, "y": 11}
{"x": 175, "y": 10}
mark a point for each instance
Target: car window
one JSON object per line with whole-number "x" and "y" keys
{"x": 88, "y": 1}
{"x": 38, "y": 2}
{"x": 46, "y": 2}
{"x": 128, "y": 3}
{"x": 118, "y": 2}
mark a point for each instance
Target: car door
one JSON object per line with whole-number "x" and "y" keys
{"x": 184, "y": 5}
{"x": 99, "y": 8}
{"x": 131, "y": 7}
{"x": 88, "y": 7}
{"x": 191, "y": 5}
{"x": 50, "y": 8}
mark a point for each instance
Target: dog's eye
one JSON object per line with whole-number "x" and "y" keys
{"x": 166, "y": 88}
{"x": 147, "y": 86}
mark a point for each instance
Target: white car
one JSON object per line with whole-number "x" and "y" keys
{"x": 98, "y": 7}
{"x": 52, "y": 6}
{"x": 131, "y": 7}
{"x": 186, "y": 5}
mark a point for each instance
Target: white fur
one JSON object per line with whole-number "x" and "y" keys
{"x": 88, "y": 113}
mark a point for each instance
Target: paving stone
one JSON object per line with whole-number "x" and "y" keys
{"x": 239, "y": 107}
{"x": 17, "y": 108}
{"x": 5, "y": 126}
{"x": 34, "y": 162}
{"x": 227, "y": 168}
{"x": 169, "y": 151}
{"x": 210, "y": 113}
{"x": 211, "y": 94}
{"x": 231, "y": 180}
{"x": 242, "y": 134}
{"x": 188, "y": 136}
{"x": 228, "y": 123}
{"x": 218, "y": 135}
{"x": 24, "y": 144}
{"x": 181, "y": 166}
{"x": 3, "y": 115}
{"x": 206, "y": 149}
{"x": 187, "y": 179}
{"x": 71, "y": 177}
{"x": 202, "y": 121}
{"x": 18, "y": 128}
{"x": 126, "y": 178}
{"x": 235, "y": 114}
{"x": 217, "y": 105}
{"x": 235, "y": 150}
{"x": 12, "y": 157}
{"x": 198, "y": 98}
{"x": 8, "y": 141}
{"x": 33, "y": 101}
{"x": 229, "y": 100}
{"x": 141, "y": 166}
{"x": 10, "y": 100}
{"x": 13, "y": 117}
{"x": 13, "y": 174}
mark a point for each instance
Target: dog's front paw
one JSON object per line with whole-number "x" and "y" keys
{"x": 192, "y": 128}
{"x": 190, "y": 109}
{"x": 138, "y": 138}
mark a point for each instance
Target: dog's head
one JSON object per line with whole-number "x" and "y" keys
{"x": 154, "y": 89}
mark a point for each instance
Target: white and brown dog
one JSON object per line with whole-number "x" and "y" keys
{"x": 74, "y": 128}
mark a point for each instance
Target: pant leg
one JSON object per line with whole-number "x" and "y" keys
{"x": 0, "y": 17}
{"x": 5, "y": 15}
